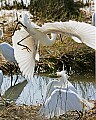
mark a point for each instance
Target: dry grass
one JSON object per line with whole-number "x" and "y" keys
{"x": 25, "y": 112}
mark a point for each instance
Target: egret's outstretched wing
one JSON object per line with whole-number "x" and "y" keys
{"x": 25, "y": 57}
{"x": 8, "y": 52}
{"x": 62, "y": 101}
{"x": 81, "y": 32}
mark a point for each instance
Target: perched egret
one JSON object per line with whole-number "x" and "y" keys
{"x": 62, "y": 101}
{"x": 80, "y": 32}
{"x": 61, "y": 83}
{"x": 1, "y": 80}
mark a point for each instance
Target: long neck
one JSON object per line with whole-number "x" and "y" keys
{"x": 53, "y": 38}
{"x": 64, "y": 79}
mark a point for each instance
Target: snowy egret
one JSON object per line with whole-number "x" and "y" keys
{"x": 80, "y": 32}
{"x": 1, "y": 80}
{"x": 33, "y": 30}
{"x": 28, "y": 58}
{"x": 62, "y": 101}
{"x": 61, "y": 83}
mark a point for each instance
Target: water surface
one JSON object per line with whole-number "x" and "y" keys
{"x": 35, "y": 90}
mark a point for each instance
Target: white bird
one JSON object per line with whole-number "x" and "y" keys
{"x": 1, "y": 80}
{"x": 61, "y": 83}
{"x": 34, "y": 31}
{"x": 81, "y": 32}
{"x": 8, "y": 52}
{"x": 94, "y": 19}
{"x": 25, "y": 58}
{"x": 62, "y": 101}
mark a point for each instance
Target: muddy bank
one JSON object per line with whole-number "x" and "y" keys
{"x": 24, "y": 112}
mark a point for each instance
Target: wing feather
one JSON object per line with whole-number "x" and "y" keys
{"x": 84, "y": 32}
{"x": 25, "y": 59}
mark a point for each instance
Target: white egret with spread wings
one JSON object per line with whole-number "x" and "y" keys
{"x": 63, "y": 100}
{"x": 62, "y": 82}
{"x": 25, "y": 42}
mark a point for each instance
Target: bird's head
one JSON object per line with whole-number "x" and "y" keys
{"x": 62, "y": 74}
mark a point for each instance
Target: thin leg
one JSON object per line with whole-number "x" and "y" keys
{"x": 61, "y": 37}
{"x": 16, "y": 74}
{"x": 25, "y": 47}
{"x": 16, "y": 27}
{"x": 79, "y": 113}
{"x": 16, "y": 79}
{"x": 11, "y": 75}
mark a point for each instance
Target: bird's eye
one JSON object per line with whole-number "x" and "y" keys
{"x": 49, "y": 35}
{"x": 21, "y": 16}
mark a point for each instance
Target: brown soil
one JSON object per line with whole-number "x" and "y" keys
{"x": 25, "y": 112}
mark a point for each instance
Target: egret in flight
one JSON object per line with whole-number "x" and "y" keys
{"x": 25, "y": 57}
{"x": 25, "y": 42}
